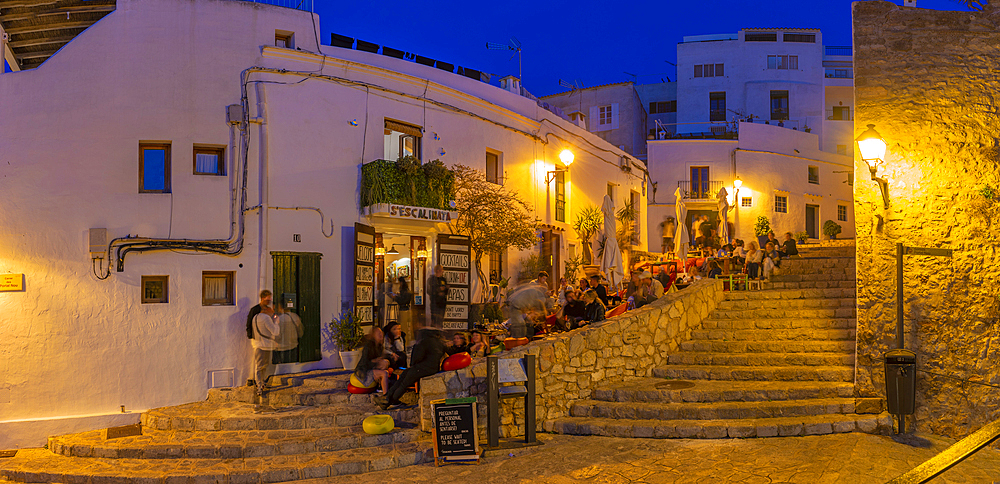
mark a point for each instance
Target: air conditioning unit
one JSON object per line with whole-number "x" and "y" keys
{"x": 625, "y": 163}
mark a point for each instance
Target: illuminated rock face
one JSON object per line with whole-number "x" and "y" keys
{"x": 928, "y": 81}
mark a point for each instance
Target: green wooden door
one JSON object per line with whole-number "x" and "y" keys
{"x": 297, "y": 274}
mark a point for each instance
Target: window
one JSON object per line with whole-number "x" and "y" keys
{"x": 814, "y": 175}
{"x": 779, "y": 105}
{"x": 493, "y": 168}
{"x": 217, "y": 288}
{"x": 560, "y": 196}
{"x": 154, "y": 289}
{"x": 709, "y": 70}
{"x": 611, "y": 191}
{"x": 790, "y": 62}
{"x": 700, "y": 185}
{"x": 154, "y": 167}
{"x": 809, "y": 38}
{"x": 842, "y": 213}
{"x": 401, "y": 140}
{"x": 780, "y": 204}
{"x": 716, "y": 106}
{"x": 746, "y": 201}
{"x": 209, "y": 160}
{"x": 284, "y": 39}
{"x": 841, "y": 113}
{"x": 850, "y": 179}
{"x": 663, "y": 107}
{"x": 604, "y": 115}
{"x": 760, "y": 37}
{"x": 637, "y": 224}
{"x": 496, "y": 267}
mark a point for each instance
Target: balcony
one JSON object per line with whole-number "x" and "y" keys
{"x": 839, "y": 73}
{"x": 407, "y": 182}
{"x": 700, "y": 190}
{"x": 839, "y": 50}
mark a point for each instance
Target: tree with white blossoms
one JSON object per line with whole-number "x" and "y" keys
{"x": 492, "y": 216}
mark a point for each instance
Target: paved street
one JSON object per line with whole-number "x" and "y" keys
{"x": 835, "y": 458}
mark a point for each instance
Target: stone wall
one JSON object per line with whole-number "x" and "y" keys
{"x": 571, "y": 364}
{"x": 928, "y": 81}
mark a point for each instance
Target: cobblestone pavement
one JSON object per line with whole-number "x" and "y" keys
{"x": 837, "y": 458}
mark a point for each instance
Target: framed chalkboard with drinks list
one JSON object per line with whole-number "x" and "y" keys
{"x": 455, "y": 436}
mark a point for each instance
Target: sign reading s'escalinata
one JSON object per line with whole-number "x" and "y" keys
{"x": 413, "y": 213}
{"x": 454, "y": 255}
{"x": 364, "y": 274}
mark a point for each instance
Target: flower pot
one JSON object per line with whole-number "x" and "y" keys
{"x": 761, "y": 240}
{"x": 350, "y": 359}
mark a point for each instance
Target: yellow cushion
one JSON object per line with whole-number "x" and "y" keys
{"x": 378, "y": 424}
{"x": 357, "y": 383}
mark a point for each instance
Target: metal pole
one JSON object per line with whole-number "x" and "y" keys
{"x": 899, "y": 295}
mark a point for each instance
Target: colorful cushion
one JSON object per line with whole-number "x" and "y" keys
{"x": 456, "y": 361}
{"x": 359, "y": 390}
{"x": 511, "y": 343}
{"x": 619, "y": 309}
{"x": 378, "y": 424}
{"x": 357, "y": 383}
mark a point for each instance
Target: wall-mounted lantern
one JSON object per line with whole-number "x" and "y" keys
{"x": 872, "y": 149}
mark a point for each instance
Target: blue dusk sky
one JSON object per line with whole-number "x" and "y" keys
{"x": 593, "y": 41}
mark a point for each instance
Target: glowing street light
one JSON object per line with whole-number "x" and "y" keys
{"x": 566, "y": 157}
{"x": 872, "y": 149}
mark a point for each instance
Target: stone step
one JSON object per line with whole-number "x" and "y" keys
{"x": 785, "y": 313}
{"x": 211, "y": 416}
{"x": 158, "y": 444}
{"x": 653, "y": 390}
{"x": 842, "y": 276}
{"x": 774, "y": 334}
{"x": 817, "y": 323}
{"x": 772, "y": 285}
{"x": 818, "y": 262}
{"x": 711, "y": 410}
{"x": 39, "y": 465}
{"x": 719, "y": 429}
{"x": 787, "y": 294}
{"x": 756, "y": 373}
{"x": 761, "y": 359}
{"x": 835, "y": 273}
{"x": 715, "y": 346}
{"x": 776, "y": 303}
{"x": 320, "y": 387}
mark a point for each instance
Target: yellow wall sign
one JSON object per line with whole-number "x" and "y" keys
{"x": 11, "y": 282}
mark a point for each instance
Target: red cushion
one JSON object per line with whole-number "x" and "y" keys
{"x": 356, "y": 390}
{"x": 619, "y": 309}
{"x": 511, "y": 343}
{"x": 456, "y": 361}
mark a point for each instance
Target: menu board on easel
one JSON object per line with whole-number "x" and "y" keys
{"x": 364, "y": 275}
{"x": 454, "y": 434}
{"x": 454, "y": 256}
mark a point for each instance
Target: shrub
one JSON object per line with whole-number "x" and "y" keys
{"x": 762, "y": 227}
{"x": 346, "y": 331}
{"x": 831, "y": 228}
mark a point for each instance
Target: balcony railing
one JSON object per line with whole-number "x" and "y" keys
{"x": 700, "y": 190}
{"x": 840, "y": 73}
{"x": 306, "y": 5}
{"x": 839, "y": 50}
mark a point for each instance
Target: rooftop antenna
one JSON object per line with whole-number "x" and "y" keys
{"x": 514, "y": 45}
{"x": 567, "y": 85}
{"x": 579, "y": 85}
{"x": 634, "y": 77}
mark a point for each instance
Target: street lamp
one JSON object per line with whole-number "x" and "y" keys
{"x": 566, "y": 157}
{"x": 872, "y": 149}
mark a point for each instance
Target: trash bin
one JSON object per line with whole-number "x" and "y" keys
{"x": 900, "y": 381}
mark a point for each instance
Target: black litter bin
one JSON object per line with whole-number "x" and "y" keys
{"x": 900, "y": 381}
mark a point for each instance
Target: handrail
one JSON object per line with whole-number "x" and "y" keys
{"x": 936, "y": 465}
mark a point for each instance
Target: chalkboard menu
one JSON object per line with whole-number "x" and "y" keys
{"x": 455, "y": 435}
{"x": 454, "y": 257}
{"x": 364, "y": 275}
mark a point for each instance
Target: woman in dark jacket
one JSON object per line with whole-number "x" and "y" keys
{"x": 395, "y": 345}
{"x": 371, "y": 366}
{"x": 595, "y": 307}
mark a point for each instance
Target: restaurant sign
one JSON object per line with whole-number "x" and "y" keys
{"x": 453, "y": 255}
{"x": 364, "y": 274}
{"x": 413, "y": 213}
{"x": 11, "y": 282}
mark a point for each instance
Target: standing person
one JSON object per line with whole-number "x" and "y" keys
{"x": 265, "y": 336}
{"x": 695, "y": 226}
{"x": 265, "y": 301}
{"x": 403, "y": 298}
{"x": 290, "y": 329}
{"x": 438, "y": 295}
{"x": 668, "y": 228}
{"x": 425, "y": 361}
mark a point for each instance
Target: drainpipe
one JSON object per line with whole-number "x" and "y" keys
{"x": 262, "y": 186}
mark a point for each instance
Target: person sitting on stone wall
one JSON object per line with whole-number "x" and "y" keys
{"x": 425, "y": 360}
{"x": 371, "y": 365}
{"x": 771, "y": 260}
{"x": 788, "y": 248}
{"x": 595, "y": 307}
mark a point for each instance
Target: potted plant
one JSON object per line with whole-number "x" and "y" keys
{"x": 831, "y": 229}
{"x": 761, "y": 229}
{"x": 801, "y": 236}
{"x": 346, "y": 333}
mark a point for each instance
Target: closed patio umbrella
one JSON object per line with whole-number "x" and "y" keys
{"x": 724, "y": 216}
{"x": 682, "y": 237}
{"x": 611, "y": 260}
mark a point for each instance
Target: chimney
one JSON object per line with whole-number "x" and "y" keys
{"x": 910, "y": 3}
{"x": 579, "y": 119}
{"x": 512, "y": 84}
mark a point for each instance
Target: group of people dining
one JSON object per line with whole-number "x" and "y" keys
{"x": 715, "y": 260}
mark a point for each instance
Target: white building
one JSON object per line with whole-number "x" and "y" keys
{"x": 771, "y": 106}
{"x": 615, "y": 112}
{"x": 224, "y": 132}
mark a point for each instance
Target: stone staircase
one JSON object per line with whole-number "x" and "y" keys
{"x": 309, "y": 427}
{"x": 774, "y": 362}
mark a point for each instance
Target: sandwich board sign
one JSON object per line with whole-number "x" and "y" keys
{"x": 455, "y": 436}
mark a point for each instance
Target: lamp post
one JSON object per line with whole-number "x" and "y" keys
{"x": 872, "y": 149}
{"x": 566, "y": 157}
{"x": 737, "y": 183}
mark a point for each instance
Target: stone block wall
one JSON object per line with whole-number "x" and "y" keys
{"x": 571, "y": 364}
{"x": 930, "y": 82}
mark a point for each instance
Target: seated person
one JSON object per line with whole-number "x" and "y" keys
{"x": 771, "y": 260}
{"x": 595, "y": 307}
{"x": 573, "y": 312}
{"x": 478, "y": 345}
{"x": 425, "y": 360}
{"x": 649, "y": 289}
{"x": 458, "y": 344}
{"x": 714, "y": 271}
{"x": 395, "y": 345}
{"x": 602, "y": 292}
{"x": 739, "y": 253}
{"x": 788, "y": 247}
{"x": 372, "y": 366}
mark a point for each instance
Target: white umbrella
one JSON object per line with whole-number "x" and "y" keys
{"x": 682, "y": 238}
{"x": 724, "y": 215}
{"x": 611, "y": 260}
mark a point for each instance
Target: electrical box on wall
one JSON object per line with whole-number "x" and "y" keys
{"x": 234, "y": 113}
{"x": 98, "y": 243}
